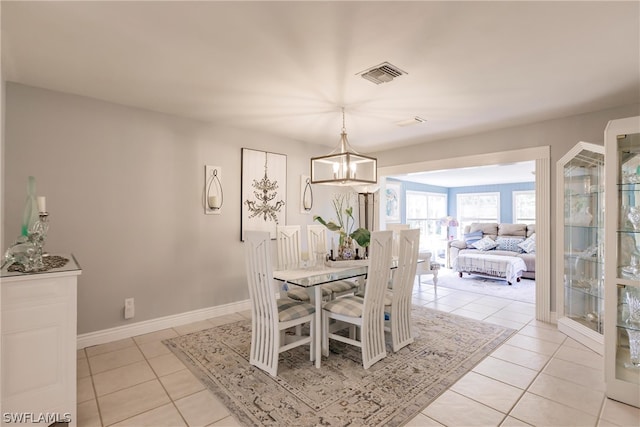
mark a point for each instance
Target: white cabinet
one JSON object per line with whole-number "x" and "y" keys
{"x": 580, "y": 243}
{"x": 39, "y": 317}
{"x": 622, "y": 248}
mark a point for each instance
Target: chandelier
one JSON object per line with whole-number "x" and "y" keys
{"x": 344, "y": 166}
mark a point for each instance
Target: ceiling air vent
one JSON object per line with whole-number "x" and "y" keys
{"x": 412, "y": 121}
{"x": 382, "y": 73}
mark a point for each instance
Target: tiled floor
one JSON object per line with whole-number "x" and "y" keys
{"x": 539, "y": 377}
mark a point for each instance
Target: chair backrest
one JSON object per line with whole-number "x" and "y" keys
{"x": 377, "y": 278}
{"x": 257, "y": 247}
{"x": 404, "y": 275}
{"x": 316, "y": 239}
{"x": 288, "y": 243}
{"x": 396, "y": 228}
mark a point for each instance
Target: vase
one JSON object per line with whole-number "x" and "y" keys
{"x": 633, "y": 305}
{"x": 30, "y": 212}
{"x": 346, "y": 251}
{"x": 634, "y": 349}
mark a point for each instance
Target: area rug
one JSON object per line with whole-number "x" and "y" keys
{"x": 341, "y": 392}
{"x": 524, "y": 291}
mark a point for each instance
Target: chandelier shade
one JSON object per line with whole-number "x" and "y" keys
{"x": 344, "y": 166}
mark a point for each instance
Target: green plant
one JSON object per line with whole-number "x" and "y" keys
{"x": 345, "y": 222}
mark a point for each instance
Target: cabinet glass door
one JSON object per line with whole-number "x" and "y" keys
{"x": 628, "y": 271}
{"x": 581, "y": 197}
{"x": 622, "y": 320}
{"x": 584, "y": 239}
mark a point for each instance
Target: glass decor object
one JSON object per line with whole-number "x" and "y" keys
{"x": 581, "y": 236}
{"x": 634, "y": 349}
{"x": 27, "y": 251}
{"x": 30, "y": 213}
{"x": 622, "y": 269}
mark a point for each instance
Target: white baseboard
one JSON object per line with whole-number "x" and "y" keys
{"x": 121, "y": 332}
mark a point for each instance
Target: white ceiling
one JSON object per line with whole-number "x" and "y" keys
{"x": 480, "y": 175}
{"x": 286, "y": 68}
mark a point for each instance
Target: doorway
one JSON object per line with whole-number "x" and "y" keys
{"x": 541, "y": 156}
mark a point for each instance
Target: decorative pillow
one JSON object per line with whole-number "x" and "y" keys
{"x": 485, "y": 244}
{"x": 529, "y": 245}
{"x": 509, "y": 244}
{"x": 471, "y": 238}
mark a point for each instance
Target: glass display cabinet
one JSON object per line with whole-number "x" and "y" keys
{"x": 622, "y": 293}
{"x": 580, "y": 243}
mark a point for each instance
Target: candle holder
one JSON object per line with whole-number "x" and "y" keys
{"x": 213, "y": 192}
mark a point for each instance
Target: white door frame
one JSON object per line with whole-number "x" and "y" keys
{"x": 542, "y": 156}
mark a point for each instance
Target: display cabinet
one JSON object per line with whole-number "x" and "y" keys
{"x": 622, "y": 293}
{"x": 580, "y": 243}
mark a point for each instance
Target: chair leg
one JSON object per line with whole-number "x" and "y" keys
{"x": 325, "y": 335}
{"x": 312, "y": 346}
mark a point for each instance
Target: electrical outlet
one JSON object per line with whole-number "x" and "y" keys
{"x": 129, "y": 309}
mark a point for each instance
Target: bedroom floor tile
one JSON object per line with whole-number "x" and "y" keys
{"x": 538, "y": 377}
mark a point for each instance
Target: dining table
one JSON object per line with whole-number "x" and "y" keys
{"x": 311, "y": 277}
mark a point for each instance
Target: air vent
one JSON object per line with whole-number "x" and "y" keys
{"x": 382, "y": 73}
{"x": 412, "y": 121}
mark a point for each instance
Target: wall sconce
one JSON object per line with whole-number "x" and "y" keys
{"x": 306, "y": 194}
{"x": 213, "y": 194}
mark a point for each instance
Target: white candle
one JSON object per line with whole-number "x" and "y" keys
{"x": 42, "y": 204}
{"x": 213, "y": 201}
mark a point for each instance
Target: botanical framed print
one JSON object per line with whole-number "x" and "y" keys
{"x": 264, "y": 191}
{"x": 392, "y": 199}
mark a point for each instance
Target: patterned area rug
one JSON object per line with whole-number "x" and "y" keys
{"x": 341, "y": 393}
{"x": 524, "y": 291}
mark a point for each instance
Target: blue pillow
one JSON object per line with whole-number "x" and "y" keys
{"x": 471, "y": 238}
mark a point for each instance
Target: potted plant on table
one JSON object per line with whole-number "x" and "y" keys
{"x": 344, "y": 227}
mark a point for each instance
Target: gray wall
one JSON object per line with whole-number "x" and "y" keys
{"x": 124, "y": 189}
{"x": 124, "y": 185}
{"x": 561, "y": 134}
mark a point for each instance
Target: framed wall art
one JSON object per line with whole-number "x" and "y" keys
{"x": 393, "y": 193}
{"x": 264, "y": 191}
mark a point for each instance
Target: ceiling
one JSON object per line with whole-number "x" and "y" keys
{"x": 287, "y": 68}
{"x": 479, "y": 175}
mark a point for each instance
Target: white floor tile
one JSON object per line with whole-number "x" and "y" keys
{"x": 180, "y": 384}
{"x": 111, "y": 346}
{"x": 539, "y": 411}
{"x": 520, "y": 356}
{"x": 490, "y": 392}
{"x": 156, "y": 336}
{"x": 166, "y": 364}
{"x": 201, "y": 409}
{"x": 543, "y": 333}
{"x": 123, "y": 377}
{"x": 568, "y": 393}
{"x": 582, "y": 357}
{"x": 163, "y": 416}
{"x": 132, "y": 401}
{"x": 578, "y": 374}
{"x": 620, "y": 414}
{"x": 114, "y": 359}
{"x": 547, "y": 348}
{"x": 422, "y": 420}
{"x": 453, "y": 409}
{"x": 507, "y": 372}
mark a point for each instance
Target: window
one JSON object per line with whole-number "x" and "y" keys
{"x": 477, "y": 207}
{"x": 524, "y": 207}
{"x": 423, "y": 211}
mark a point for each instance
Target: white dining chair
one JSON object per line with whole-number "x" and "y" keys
{"x": 270, "y": 317}
{"x": 288, "y": 246}
{"x": 365, "y": 314}
{"x": 398, "y": 313}
{"x": 316, "y": 239}
{"x": 290, "y": 257}
{"x": 396, "y": 228}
